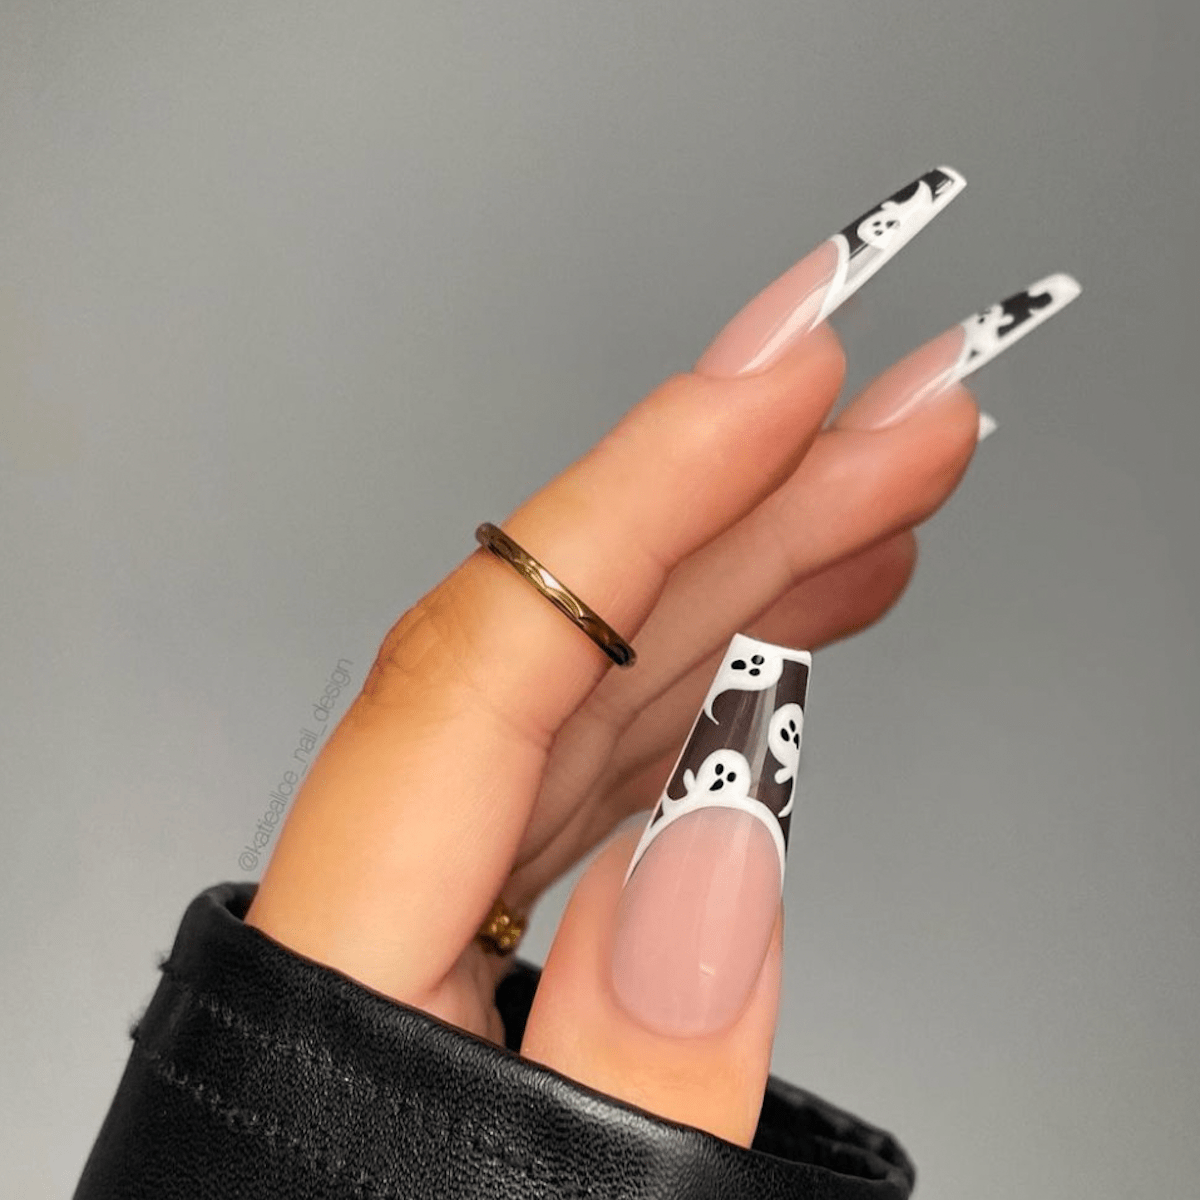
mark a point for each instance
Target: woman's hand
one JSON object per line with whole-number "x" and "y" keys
{"x": 492, "y": 746}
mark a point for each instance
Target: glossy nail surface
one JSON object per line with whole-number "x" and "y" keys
{"x": 811, "y": 290}
{"x": 703, "y": 887}
{"x": 930, "y": 372}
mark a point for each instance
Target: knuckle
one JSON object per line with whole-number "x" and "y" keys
{"x": 405, "y": 656}
{"x": 427, "y": 666}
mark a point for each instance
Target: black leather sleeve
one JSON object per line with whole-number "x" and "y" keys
{"x": 256, "y": 1072}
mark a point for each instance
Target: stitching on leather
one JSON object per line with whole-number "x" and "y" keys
{"x": 399, "y": 1104}
{"x": 402, "y": 1105}
{"x": 245, "y": 1121}
{"x": 320, "y": 1058}
{"x": 527, "y": 1168}
{"x": 242, "y": 1120}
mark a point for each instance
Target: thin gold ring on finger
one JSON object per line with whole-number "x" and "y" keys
{"x": 493, "y": 538}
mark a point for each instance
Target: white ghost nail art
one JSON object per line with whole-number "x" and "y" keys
{"x": 883, "y": 226}
{"x": 866, "y": 244}
{"x": 721, "y": 782}
{"x": 992, "y": 331}
{"x": 783, "y": 738}
{"x": 748, "y": 759}
{"x": 749, "y": 666}
{"x": 725, "y": 771}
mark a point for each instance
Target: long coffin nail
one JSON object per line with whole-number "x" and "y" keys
{"x": 702, "y": 891}
{"x": 931, "y": 371}
{"x": 812, "y": 289}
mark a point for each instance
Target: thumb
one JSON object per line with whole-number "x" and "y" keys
{"x": 662, "y": 985}
{"x": 579, "y": 1026}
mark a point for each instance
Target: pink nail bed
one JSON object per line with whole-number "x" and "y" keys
{"x": 818, "y": 284}
{"x": 782, "y": 312}
{"x": 703, "y": 886}
{"x": 906, "y": 385}
{"x": 930, "y": 372}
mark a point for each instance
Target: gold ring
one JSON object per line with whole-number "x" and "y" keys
{"x": 502, "y": 930}
{"x": 570, "y": 605}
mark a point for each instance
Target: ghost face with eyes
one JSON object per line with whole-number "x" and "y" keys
{"x": 722, "y": 778}
{"x": 984, "y": 331}
{"x": 721, "y": 781}
{"x": 749, "y": 666}
{"x": 882, "y": 227}
{"x": 783, "y": 739}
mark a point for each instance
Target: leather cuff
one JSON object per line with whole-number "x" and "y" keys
{"x": 256, "y": 1071}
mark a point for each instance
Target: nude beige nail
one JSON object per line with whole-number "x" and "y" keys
{"x": 818, "y": 284}
{"x": 703, "y": 887}
{"x": 931, "y": 372}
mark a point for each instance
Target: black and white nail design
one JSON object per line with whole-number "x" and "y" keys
{"x": 997, "y": 327}
{"x": 992, "y": 331}
{"x": 743, "y": 751}
{"x": 865, "y": 245}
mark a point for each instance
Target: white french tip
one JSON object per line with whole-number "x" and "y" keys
{"x": 876, "y": 237}
{"x": 1059, "y": 284}
{"x": 987, "y": 426}
{"x": 993, "y": 330}
{"x": 962, "y": 179}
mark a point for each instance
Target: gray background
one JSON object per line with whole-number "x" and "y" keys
{"x": 293, "y": 295}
